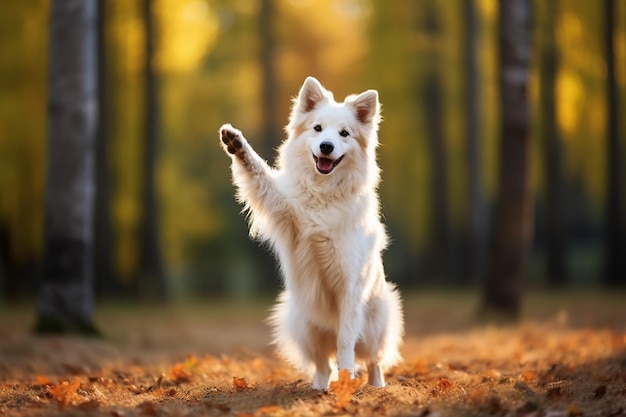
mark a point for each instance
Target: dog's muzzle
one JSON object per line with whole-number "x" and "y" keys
{"x": 326, "y": 165}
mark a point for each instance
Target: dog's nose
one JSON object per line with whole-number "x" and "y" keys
{"x": 326, "y": 147}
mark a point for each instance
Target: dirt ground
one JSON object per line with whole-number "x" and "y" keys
{"x": 567, "y": 357}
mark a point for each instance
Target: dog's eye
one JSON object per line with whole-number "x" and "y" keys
{"x": 344, "y": 133}
{"x": 317, "y": 128}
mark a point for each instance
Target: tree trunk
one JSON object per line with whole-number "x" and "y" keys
{"x": 615, "y": 233}
{"x": 475, "y": 234}
{"x": 553, "y": 150}
{"x": 513, "y": 228}
{"x": 105, "y": 282}
{"x": 151, "y": 280}
{"x": 440, "y": 265}
{"x": 66, "y": 295}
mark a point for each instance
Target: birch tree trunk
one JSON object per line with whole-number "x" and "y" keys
{"x": 513, "y": 228}
{"x": 66, "y": 301}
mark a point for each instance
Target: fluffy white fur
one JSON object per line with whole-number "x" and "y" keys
{"x": 319, "y": 210}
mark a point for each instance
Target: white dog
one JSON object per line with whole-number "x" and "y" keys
{"x": 319, "y": 211}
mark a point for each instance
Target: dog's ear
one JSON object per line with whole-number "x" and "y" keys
{"x": 310, "y": 95}
{"x": 366, "y": 106}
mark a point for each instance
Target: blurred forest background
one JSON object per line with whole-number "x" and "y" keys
{"x": 435, "y": 65}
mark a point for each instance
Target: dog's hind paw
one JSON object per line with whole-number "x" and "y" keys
{"x": 232, "y": 139}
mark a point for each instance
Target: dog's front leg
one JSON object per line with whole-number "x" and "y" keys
{"x": 350, "y": 326}
{"x": 251, "y": 174}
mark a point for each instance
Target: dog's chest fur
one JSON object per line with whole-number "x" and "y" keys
{"x": 321, "y": 256}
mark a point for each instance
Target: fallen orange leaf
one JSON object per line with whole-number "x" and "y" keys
{"x": 528, "y": 375}
{"x": 179, "y": 374}
{"x": 64, "y": 392}
{"x": 344, "y": 387}
{"x": 444, "y": 383}
{"x": 419, "y": 367}
{"x": 240, "y": 383}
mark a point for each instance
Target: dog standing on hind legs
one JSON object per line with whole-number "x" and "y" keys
{"x": 319, "y": 210}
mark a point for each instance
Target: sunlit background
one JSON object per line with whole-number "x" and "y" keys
{"x": 242, "y": 62}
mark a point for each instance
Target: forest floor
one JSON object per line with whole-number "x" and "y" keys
{"x": 567, "y": 357}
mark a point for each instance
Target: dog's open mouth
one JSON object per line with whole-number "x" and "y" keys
{"x": 326, "y": 165}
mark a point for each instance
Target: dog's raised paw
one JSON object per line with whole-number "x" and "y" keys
{"x": 231, "y": 138}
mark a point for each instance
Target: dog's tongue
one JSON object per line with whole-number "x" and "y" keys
{"x": 324, "y": 164}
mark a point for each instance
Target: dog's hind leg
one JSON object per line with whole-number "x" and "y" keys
{"x": 375, "y": 375}
{"x": 319, "y": 346}
{"x": 323, "y": 374}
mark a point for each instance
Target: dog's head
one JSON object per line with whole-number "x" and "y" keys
{"x": 337, "y": 135}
